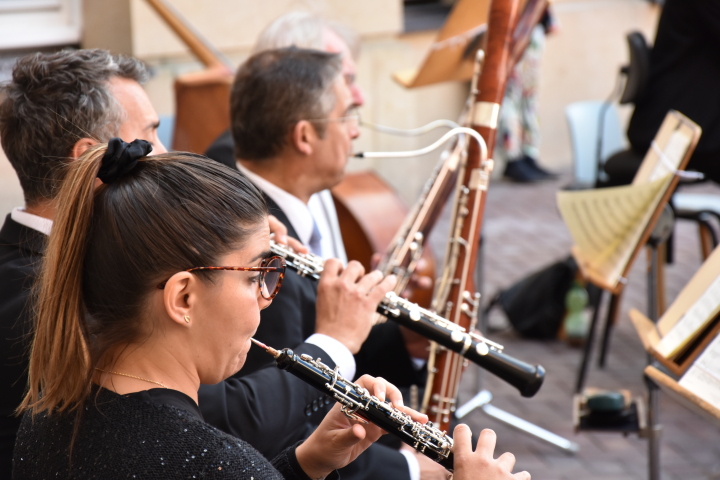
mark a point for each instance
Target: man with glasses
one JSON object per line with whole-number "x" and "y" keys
{"x": 305, "y": 30}
{"x": 293, "y": 120}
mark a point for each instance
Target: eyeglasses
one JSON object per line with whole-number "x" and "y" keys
{"x": 352, "y": 120}
{"x": 272, "y": 272}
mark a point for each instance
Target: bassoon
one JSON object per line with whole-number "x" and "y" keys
{"x": 405, "y": 250}
{"x": 455, "y": 296}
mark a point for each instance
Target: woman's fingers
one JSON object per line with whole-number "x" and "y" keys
{"x": 462, "y": 439}
{"x": 414, "y": 414}
{"x": 507, "y": 461}
{"x": 486, "y": 442}
{"x": 382, "y": 389}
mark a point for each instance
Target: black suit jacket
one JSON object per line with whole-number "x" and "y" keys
{"x": 684, "y": 72}
{"x": 21, "y": 248}
{"x": 270, "y": 408}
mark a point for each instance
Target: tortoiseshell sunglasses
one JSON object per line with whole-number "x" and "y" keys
{"x": 272, "y": 273}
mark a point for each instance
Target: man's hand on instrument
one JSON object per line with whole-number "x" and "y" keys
{"x": 338, "y": 440}
{"x": 347, "y": 300}
{"x": 480, "y": 464}
{"x": 417, "y": 282}
{"x": 279, "y": 234}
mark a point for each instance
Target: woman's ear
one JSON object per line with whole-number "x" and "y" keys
{"x": 179, "y": 296}
{"x": 81, "y": 146}
{"x": 303, "y": 137}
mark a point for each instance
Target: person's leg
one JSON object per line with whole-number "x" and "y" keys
{"x": 508, "y": 148}
{"x": 530, "y": 123}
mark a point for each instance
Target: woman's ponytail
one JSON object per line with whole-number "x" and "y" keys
{"x": 59, "y": 375}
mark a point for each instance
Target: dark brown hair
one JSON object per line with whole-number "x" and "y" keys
{"x": 109, "y": 249}
{"x": 53, "y": 100}
{"x": 275, "y": 89}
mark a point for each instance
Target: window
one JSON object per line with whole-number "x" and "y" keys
{"x": 39, "y": 23}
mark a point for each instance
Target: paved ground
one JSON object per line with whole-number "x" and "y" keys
{"x": 523, "y": 233}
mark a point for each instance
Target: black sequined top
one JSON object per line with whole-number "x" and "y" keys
{"x": 155, "y": 434}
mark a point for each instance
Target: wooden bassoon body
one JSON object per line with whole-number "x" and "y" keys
{"x": 456, "y": 297}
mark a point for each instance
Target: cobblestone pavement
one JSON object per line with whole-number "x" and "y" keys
{"x": 523, "y": 233}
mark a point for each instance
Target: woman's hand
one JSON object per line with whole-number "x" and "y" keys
{"x": 338, "y": 440}
{"x": 480, "y": 465}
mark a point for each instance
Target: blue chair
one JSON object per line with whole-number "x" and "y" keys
{"x": 583, "y": 122}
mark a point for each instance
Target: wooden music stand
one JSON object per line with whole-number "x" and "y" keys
{"x": 651, "y": 335}
{"x": 614, "y": 281}
{"x": 682, "y": 395}
{"x": 452, "y": 54}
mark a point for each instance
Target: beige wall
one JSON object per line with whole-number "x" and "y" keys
{"x": 582, "y": 60}
{"x": 233, "y": 25}
{"x": 580, "y": 63}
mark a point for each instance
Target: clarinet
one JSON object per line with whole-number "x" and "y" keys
{"x": 358, "y": 404}
{"x": 487, "y": 354}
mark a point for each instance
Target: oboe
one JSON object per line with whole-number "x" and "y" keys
{"x": 489, "y": 355}
{"x": 358, "y": 404}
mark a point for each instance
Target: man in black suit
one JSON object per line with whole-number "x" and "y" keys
{"x": 57, "y": 106}
{"x": 42, "y": 128}
{"x": 292, "y": 121}
{"x": 684, "y": 72}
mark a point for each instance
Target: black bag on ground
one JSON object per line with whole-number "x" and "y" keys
{"x": 535, "y": 305}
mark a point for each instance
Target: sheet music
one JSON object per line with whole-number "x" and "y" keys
{"x": 607, "y": 223}
{"x": 692, "y": 322}
{"x": 703, "y": 377}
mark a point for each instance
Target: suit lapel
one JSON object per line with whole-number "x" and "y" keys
{"x": 275, "y": 210}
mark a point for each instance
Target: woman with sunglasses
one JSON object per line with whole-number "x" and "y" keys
{"x": 152, "y": 284}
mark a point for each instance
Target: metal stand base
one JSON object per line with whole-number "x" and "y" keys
{"x": 482, "y": 400}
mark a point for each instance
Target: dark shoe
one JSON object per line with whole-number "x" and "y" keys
{"x": 544, "y": 174}
{"x": 520, "y": 172}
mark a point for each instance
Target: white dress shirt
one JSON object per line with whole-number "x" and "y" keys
{"x": 40, "y": 224}
{"x": 319, "y": 209}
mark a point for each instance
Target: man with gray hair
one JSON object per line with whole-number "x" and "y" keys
{"x": 56, "y": 107}
{"x": 293, "y": 121}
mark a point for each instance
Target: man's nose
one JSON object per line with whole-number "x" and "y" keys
{"x": 358, "y": 97}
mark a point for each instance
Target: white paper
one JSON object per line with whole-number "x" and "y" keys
{"x": 692, "y": 323}
{"x": 703, "y": 377}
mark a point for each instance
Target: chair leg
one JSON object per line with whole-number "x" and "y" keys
{"x": 587, "y": 351}
{"x": 612, "y": 315}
